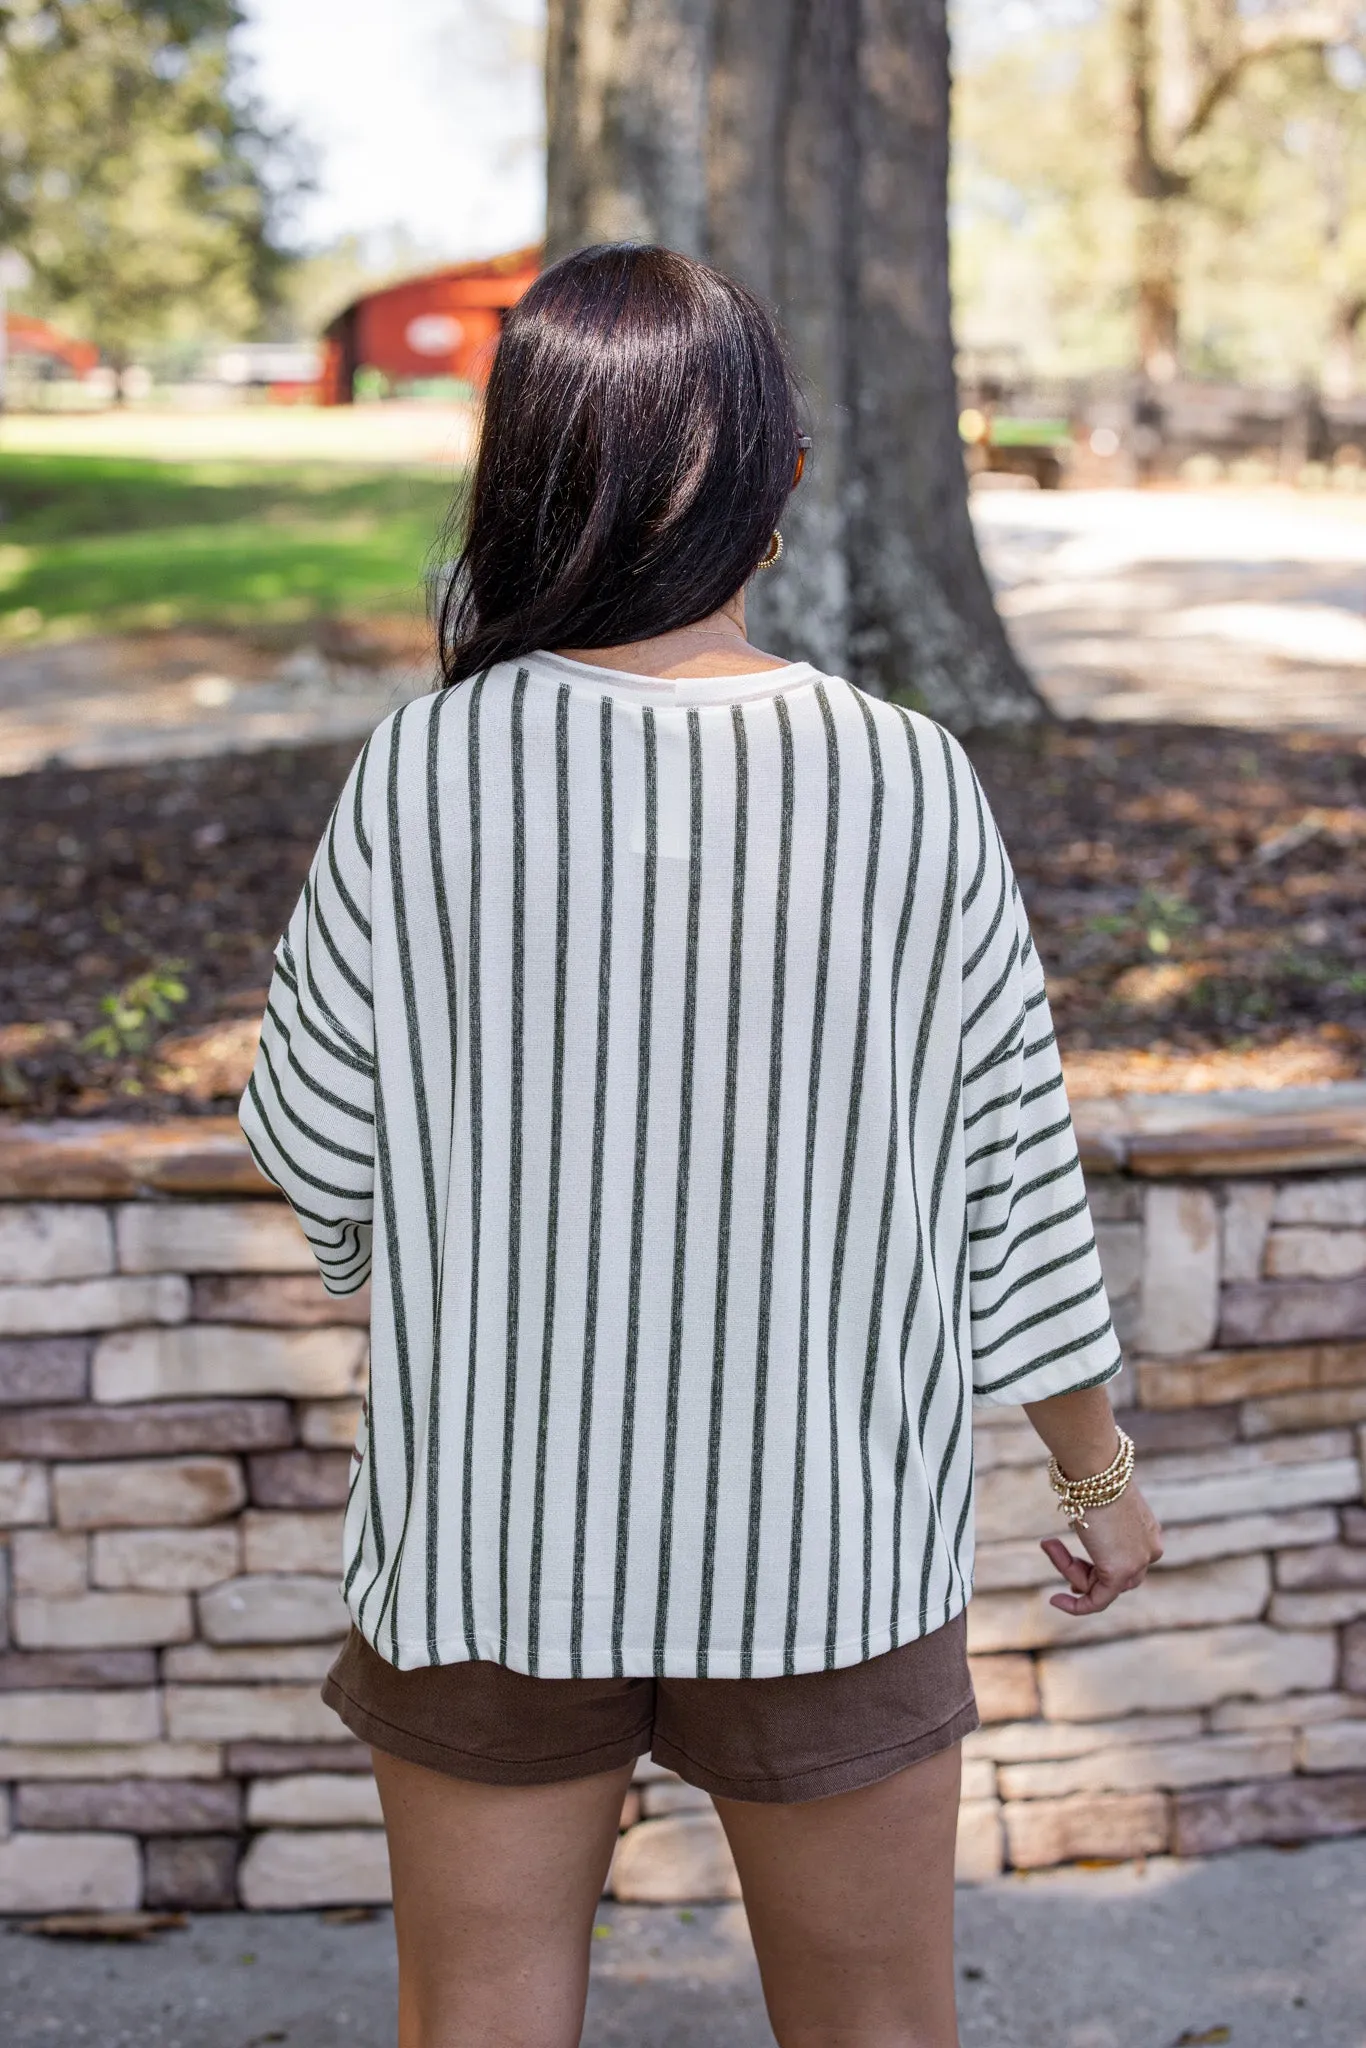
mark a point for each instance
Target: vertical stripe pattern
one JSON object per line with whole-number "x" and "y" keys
{"x": 675, "y": 1061}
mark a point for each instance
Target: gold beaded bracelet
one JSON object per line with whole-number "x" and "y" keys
{"x": 1101, "y": 1490}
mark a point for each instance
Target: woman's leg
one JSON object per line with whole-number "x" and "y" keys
{"x": 850, "y": 1904}
{"x": 495, "y": 1888}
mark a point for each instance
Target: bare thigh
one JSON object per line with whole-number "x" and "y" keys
{"x": 850, "y": 1904}
{"x": 495, "y": 1889}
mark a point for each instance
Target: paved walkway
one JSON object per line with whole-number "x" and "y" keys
{"x": 1217, "y": 607}
{"x": 1261, "y": 1949}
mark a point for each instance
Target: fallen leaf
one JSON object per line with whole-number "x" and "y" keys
{"x": 1209, "y": 2038}
{"x": 105, "y": 1926}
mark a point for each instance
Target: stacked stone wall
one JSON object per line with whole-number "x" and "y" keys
{"x": 178, "y": 1399}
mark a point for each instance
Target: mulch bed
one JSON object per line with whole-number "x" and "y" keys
{"x": 1198, "y": 895}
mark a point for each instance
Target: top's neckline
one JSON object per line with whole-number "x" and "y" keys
{"x": 641, "y": 689}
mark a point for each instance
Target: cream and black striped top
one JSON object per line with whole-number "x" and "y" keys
{"x": 677, "y": 1057}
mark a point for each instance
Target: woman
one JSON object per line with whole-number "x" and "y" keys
{"x": 661, "y": 1028}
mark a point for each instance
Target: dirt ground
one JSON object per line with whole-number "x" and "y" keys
{"x": 1198, "y": 897}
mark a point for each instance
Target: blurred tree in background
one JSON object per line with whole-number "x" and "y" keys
{"x": 136, "y": 175}
{"x": 1164, "y": 181}
{"x": 803, "y": 146}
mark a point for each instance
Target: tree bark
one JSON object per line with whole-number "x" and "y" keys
{"x": 802, "y": 146}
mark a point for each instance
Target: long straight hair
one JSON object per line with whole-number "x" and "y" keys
{"x": 638, "y": 444}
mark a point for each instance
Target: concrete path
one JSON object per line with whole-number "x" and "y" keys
{"x": 1220, "y": 607}
{"x": 1262, "y": 1949}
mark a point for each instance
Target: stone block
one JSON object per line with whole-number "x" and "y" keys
{"x": 1333, "y": 1746}
{"x": 47, "y": 1241}
{"x": 66, "y": 1306}
{"x": 630, "y": 1809}
{"x": 1337, "y": 1199}
{"x": 1185, "y": 1668}
{"x": 292, "y": 1542}
{"x": 50, "y": 1717}
{"x": 979, "y": 1852}
{"x": 1190, "y": 1542}
{"x": 1292, "y": 1311}
{"x": 292, "y": 1759}
{"x": 134, "y": 1806}
{"x": 43, "y": 1369}
{"x": 1121, "y": 1257}
{"x": 1153, "y": 1766}
{"x": 48, "y": 1562}
{"x": 1180, "y": 1289}
{"x": 1228, "y": 1589}
{"x": 156, "y": 1429}
{"x": 1220, "y": 1376}
{"x": 300, "y": 1479}
{"x": 1247, "y": 1217}
{"x": 1333, "y": 1408}
{"x": 273, "y": 1608}
{"x": 1113, "y": 1199}
{"x": 41, "y": 1873}
{"x": 200, "y": 1359}
{"x": 1293, "y": 1710}
{"x": 1326, "y": 1565}
{"x": 103, "y": 1621}
{"x": 1006, "y": 1688}
{"x": 978, "y": 1778}
{"x": 1354, "y": 1524}
{"x": 673, "y": 1795}
{"x": 681, "y": 1860}
{"x": 1014, "y": 1444}
{"x": 1024, "y": 1742}
{"x": 1087, "y": 1825}
{"x": 210, "y": 1237}
{"x": 164, "y": 1560}
{"x": 1158, "y": 1431}
{"x": 1295, "y": 1448}
{"x": 316, "y": 1867}
{"x": 284, "y": 1663}
{"x": 1014, "y": 1502}
{"x": 192, "y": 1873}
{"x": 1354, "y": 1658}
{"x": 139, "y": 1492}
{"x": 319, "y": 1799}
{"x": 1304, "y": 1252}
{"x": 20, "y": 1761}
{"x": 1303, "y": 1809}
{"x": 1319, "y": 1610}
{"x": 280, "y": 1301}
{"x": 1004, "y": 1567}
{"x": 23, "y": 1494}
{"x": 330, "y": 1425}
{"x": 61, "y": 1670}
{"x": 247, "y": 1713}
{"x": 1274, "y": 1487}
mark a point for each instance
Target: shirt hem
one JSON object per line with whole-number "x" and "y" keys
{"x": 640, "y": 1663}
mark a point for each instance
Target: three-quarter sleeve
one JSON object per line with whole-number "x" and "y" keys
{"x": 1040, "y": 1320}
{"x": 308, "y": 1113}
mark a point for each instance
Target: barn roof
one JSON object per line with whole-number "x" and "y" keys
{"x": 488, "y": 281}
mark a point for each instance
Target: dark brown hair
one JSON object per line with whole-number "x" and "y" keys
{"x": 638, "y": 444}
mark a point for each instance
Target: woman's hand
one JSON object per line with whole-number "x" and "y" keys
{"x": 1123, "y": 1540}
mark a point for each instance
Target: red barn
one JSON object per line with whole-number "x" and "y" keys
{"x": 442, "y": 325}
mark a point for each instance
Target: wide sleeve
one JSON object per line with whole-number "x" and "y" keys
{"x": 1040, "y": 1320}
{"x": 309, "y": 1108}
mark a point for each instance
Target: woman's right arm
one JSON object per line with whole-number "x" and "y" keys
{"x": 1122, "y": 1540}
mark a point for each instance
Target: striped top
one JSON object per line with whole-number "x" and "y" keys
{"x": 677, "y": 1059}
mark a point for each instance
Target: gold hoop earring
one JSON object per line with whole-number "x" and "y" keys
{"x": 775, "y": 551}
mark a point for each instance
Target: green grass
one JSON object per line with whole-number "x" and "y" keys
{"x": 96, "y": 544}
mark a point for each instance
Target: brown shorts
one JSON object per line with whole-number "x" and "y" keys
{"x": 772, "y": 1739}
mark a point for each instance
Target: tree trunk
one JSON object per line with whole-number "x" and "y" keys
{"x": 802, "y": 146}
